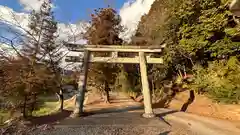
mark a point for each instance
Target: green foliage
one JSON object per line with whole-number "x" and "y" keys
{"x": 4, "y": 116}
{"x": 201, "y": 35}
{"x": 209, "y": 38}
{"x": 123, "y": 84}
{"x": 220, "y": 80}
{"x": 212, "y": 32}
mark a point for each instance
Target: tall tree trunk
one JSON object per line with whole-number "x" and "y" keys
{"x": 24, "y": 107}
{"x": 190, "y": 100}
{"x": 106, "y": 92}
{"x": 60, "y": 99}
{"x": 153, "y": 88}
{"x": 33, "y": 104}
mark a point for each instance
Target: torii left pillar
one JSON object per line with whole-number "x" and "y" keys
{"x": 148, "y": 111}
{"x": 82, "y": 86}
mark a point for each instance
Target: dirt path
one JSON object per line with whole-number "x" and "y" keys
{"x": 205, "y": 107}
{"x": 94, "y": 102}
{"x": 118, "y": 101}
{"x": 204, "y": 125}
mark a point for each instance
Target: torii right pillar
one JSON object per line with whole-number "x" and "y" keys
{"x": 145, "y": 87}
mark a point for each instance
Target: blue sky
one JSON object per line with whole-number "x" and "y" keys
{"x": 71, "y": 10}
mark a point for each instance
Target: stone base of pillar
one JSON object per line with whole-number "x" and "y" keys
{"x": 149, "y": 115}
{"x": 75, "y": 114}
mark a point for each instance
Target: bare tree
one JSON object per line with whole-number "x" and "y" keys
{"x": 39, "y": 46}
{"x": 40, "y": 43}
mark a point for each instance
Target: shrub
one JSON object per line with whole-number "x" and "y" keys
{"x": 220, "y": 80}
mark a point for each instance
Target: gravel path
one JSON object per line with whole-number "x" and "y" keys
{"x": 167, "y": 122}
{"x": 116, "y": 130}
{"x": 124, "y": 123}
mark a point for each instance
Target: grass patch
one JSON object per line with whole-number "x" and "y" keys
{"x": 48, "y": 106}
{"x": 4, "y": 116}
{"x": 46, "y": 109}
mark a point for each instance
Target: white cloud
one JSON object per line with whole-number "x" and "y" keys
{"x": 31, "y": 4}
{"x": 8, "y": 16}
{"x": 72, "y": 32}
{"x": 131, "y": 14}
{"x": 21, "y": 20}
{"x": 6, "y": 50}
{"x": 68, "y": 32}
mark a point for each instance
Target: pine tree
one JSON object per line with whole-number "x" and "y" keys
{"x": 51, "y": 50}
{"x": 42, "y": 45}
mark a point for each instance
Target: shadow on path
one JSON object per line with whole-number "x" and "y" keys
{"x": 165, "y": 133}
{"x": 60, "y": 116}
{"x": 49, "y": 119}
{"x": 111, "y": 101}
{"x": 162, "y": 114}
{"x": 114, "y": 109}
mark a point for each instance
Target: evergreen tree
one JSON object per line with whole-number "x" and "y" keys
{"x": 42, "y": 46}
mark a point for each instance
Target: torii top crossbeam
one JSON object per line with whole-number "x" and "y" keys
{"x": 114, "y": 50}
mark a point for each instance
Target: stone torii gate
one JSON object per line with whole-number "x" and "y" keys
{"x": 144, "y": 57}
